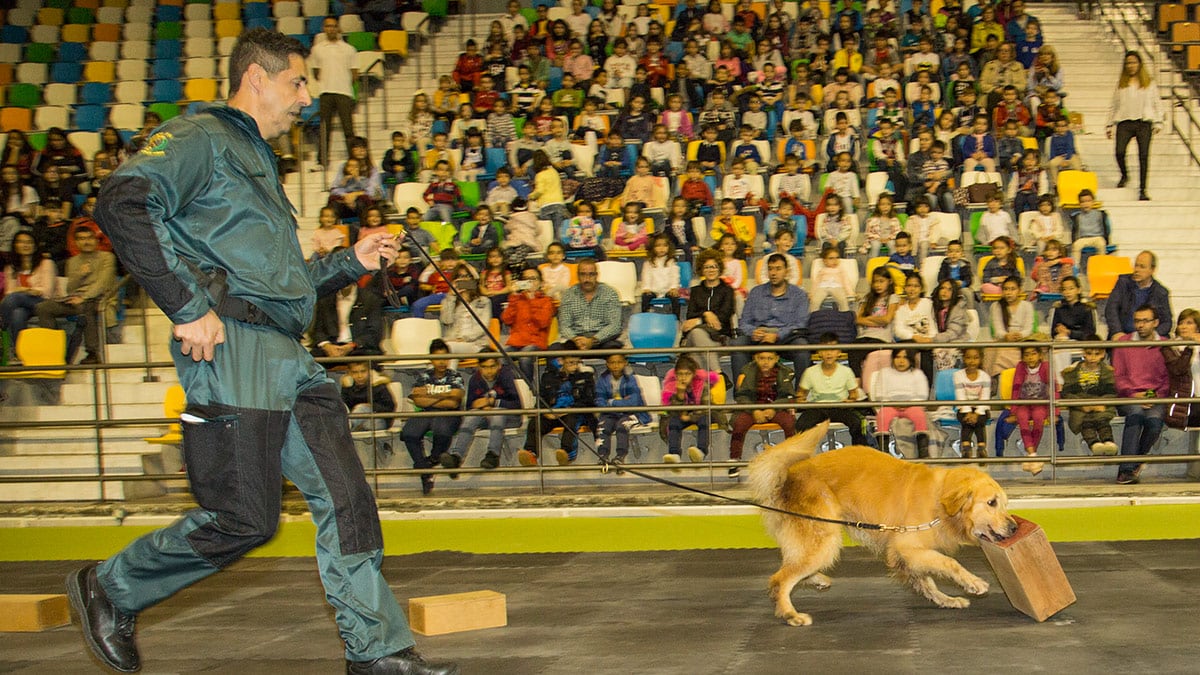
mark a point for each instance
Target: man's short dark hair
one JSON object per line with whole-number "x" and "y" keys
{"x": 828, "y": 339}
{"x": 438, "y": 346}
{"x": 1147, "y": 308}
{"x": 268, "y": 48}
{"x": 777, "y": 258}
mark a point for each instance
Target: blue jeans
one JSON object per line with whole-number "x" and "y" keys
{"x": 675, "y": 428}
{"x": 15, "y": 310}
{"x": 495, "y": 424}
{"x": 440, "y": 213}
{"x": 799, "y": 359}
{"x": 419, "y": 307}
{"x": 1143, "y": 426}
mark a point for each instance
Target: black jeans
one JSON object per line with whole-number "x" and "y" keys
{"x": 330, "y": 105}
{"x": 1127, "y": 130}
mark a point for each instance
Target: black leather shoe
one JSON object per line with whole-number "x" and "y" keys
{"x": 407, "y": 662}
{"x": 1121, "y": 183}
{"x": 1143, "y": 197}
{"x": 108, "y": 632}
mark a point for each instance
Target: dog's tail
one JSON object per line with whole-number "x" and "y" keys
{"x": 768, "y": 472}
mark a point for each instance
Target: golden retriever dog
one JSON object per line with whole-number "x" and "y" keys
{"x": 861, "y": 484}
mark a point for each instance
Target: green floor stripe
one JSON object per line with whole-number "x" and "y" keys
{"x": 548, "y": 535}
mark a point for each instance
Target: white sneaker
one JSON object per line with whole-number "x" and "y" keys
{"x": 695, "y": 454}
{"x": 1105, "y": 448}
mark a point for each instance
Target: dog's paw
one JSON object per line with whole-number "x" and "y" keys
{"x": 953, "y": 602}
{"x": 976, "y": 586}
{"x": 797, "y": 619}
{"x": 819, "y": 581}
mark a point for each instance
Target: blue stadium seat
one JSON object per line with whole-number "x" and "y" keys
{"x": 166, "y": 91}
{"x": 305, "y": 40}
{"x": 95, "y": 93}
{"x": 265, "y": 22}
{"x": 16, "y": 35}
{"x": 72, "y": 52}
{"x": 256, "y": 10}
{"x": 67, "y": 73}
{"x": 313, "y": 24}
{"x": 168, "y": 49}
{"x": 90, "y": 117}
{"x": 166, "y": 69}
{"x": 168, "y": 13}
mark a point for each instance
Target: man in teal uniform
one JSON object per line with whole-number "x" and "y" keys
{"x": 199, "y": 218}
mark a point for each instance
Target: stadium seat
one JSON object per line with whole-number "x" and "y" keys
{"x": 17, "y": 35}
{"x": 200, "y": 89}
{"x": 99, "y": 71}
{"x": 196, "y": 11}
{"x": 20, "y": 119}
{"x": 50, "y": 16}
{"x": 127, "y": 115}
{"x": 106, "y": 32}
{"x": 76, "y": 32}
{"x": 168, "y": 30}
{"x": 225, "y": 45}
{"x": 90, "y": 118}
{"x": 166, "y": 91}
{"x": 40, "y": 348}
{"x": 224, "y": 11}
{"x": 168, "y": 49}
{"x": 24, "y": 95}
{"x": 362, "y": 41}
{"x": 104, "y": 51}
{"x": 33, "y": 73}
{"x": 286, "y": 9}
{"x": 1071, "y": 182}
{"x": 166, "y": 69}
{"x": 198, "y": 29}
{"x": 290, "y": 25}
{"x": 72, "y": 52}
{"x": 137, "y": 31}
{"x": 164, "y": 13}
{"x": 652, "y": 330}
{"x": 22, "y": 16}
{"x": 1102, "y": 273}
{"x": 132, "y": 69}
{"x": 39, "y": 52}
{"x": 131, "y": 91}
{"x": 47, "y": 116}
{"x": 315, "y": 7}
{"x": 394, "y": 42}
{"x": 256, "y": 10}
{"x": 95, "y": 93}
{"x": 139, "y": 15}
{"x": 199, "y": 48}
{"x": 228, "y": 28}
{"x": 165, "y": 110}
{"x": 113, "y": 15}
{"x": 60, "y": 93}
{"x": 351, "y": 23}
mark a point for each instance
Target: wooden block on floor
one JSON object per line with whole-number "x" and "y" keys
{"x": 1029, "y": 571}
{"x": 457, "y": 612}
{"x": 33, "y": 613}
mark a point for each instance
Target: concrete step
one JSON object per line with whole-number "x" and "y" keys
{"x": 78, "y": 393}
{"x": 65, "y": 412}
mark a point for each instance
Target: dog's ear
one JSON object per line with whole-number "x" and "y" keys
{"x": 956, "y": 492}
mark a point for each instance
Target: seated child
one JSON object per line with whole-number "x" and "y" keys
{"x": 1050, "y": 268}
{"x": 564, "y": 384}
{"x": 481, "y": 233}
{"x": 955, "y": 267}
{"x": 831, "y": 280}
{"x": 728, "y": 222}
{"x": 902, "y": 258}
{"x": 768, "y": 383}
{"x": 631, "y": 232}
{"x": 687, "y": 385}
{"x": 584, "y": 232}
{"x": 902, "y": 382}
{"x": 617, "y": 387}
{"x": 973, "y": 384}
{"x": 660, "y": 274}
{"x": 1091, "y": 378}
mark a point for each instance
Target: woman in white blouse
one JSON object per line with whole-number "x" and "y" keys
{"x": 1134, "y": 114}
{"x": 915, "y": 322}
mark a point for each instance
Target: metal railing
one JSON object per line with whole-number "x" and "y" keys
{"x": 104, "y": 418}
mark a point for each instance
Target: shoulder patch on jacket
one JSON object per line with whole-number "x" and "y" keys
{"x": 156, "y": 145}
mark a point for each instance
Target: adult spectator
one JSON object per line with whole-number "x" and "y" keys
{"x": 439, "y": 387}
{"x": 28, "y": 279}
{"x": 348, "y": 323}
{"x": 1183, "y": 365}
{"x": 1001, "y": 72}
{"x": 1134, "y": 114}
{"x": 334, "y": 65}
{"x": 1014, "y": 30}
{"x": 466, "y": 333}
{"x": 710, "y": 307}
{"x": 91, "y": 280}
{"x": 528, "y": 314}
{"x": 1140, "y": 372}
{"x": 589, "y": 316}
{"x": 1134, "y": 290}
{"x": 915, "y": 165}
{"x": 776, "y": 313}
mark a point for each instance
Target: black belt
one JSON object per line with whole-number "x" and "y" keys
{"x": 227, "y": 306}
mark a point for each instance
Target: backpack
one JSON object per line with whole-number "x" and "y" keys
{"x": 840, "y": 324}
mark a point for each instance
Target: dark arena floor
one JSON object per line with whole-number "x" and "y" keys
{"x": 685, "y": 612}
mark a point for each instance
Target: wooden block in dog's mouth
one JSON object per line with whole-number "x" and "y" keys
{"x": 1029, "y": 571}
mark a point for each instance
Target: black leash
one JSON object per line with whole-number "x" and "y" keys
{"x": 605, "y": 462}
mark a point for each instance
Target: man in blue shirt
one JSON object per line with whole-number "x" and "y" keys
{"x": 775, "y": 313}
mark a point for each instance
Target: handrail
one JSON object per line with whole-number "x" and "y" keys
{"x": 1053, "y": 457}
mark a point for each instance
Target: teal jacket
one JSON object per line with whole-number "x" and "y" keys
{"x": 205, "y": 189}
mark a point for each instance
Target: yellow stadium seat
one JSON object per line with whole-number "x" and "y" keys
{"x": 76, "y": 32}
{"x": 1071, "y": 182}
{"x": 50, "y": 16}
{"x": 228, "y": 27}
{"x": 99, "y": 71}
{"x": 394, "y": 42}
{"x": 174, "y": 404}
{"x": 200, "y": 89}
{"x": 40, "y": 348}
{"x": 1102, "y": 273}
